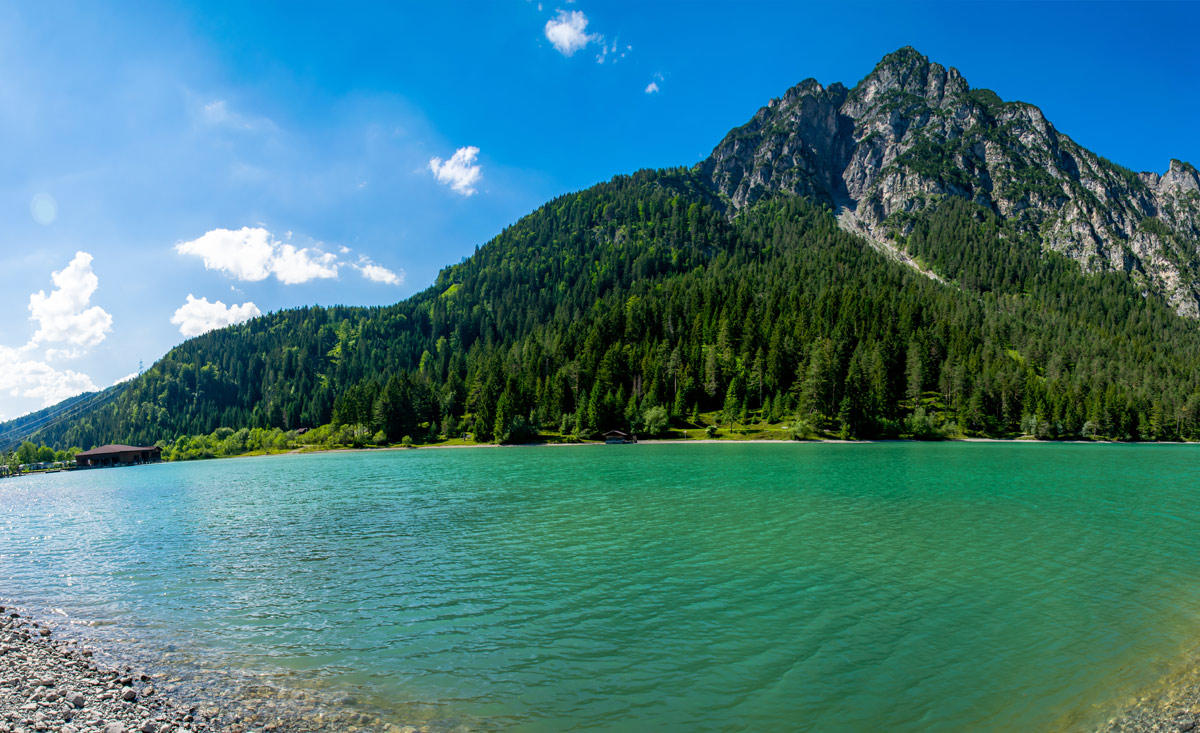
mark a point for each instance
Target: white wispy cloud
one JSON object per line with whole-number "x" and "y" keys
{"x": 63, "y": 315}
{"x": 461, "y": 172}
{"x": 198, "y": 316}
{"x": 652, "y": 88}
{"x": 124, "y": 379}
{"x": 252, "y": 254}
{"x": 378, "y": 273}
{"x": 218, "y": 113}
{"x": 568, "y": 32}
{"x": 614, "y": 50}
{"x": 53, "y": 354}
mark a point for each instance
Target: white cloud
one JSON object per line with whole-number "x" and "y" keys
{"x": 253, "y": 254}
{"x": 200, "y": 316}
{"x": 568, "y": 32}
{"x": 652, "y": 88}
{"x": 292, "y": 266}
{"x": 245, "y": 254}
{"x": 21, "y": 377}
{"x": 63, "y": 315}
{"x": 460, "y": 172}
{"x": 378, "y": 273}
{"x": 125, "y": 378}
{"x": 57, "y": 354}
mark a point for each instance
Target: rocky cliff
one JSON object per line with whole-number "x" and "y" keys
{"x": 913, "y": 132}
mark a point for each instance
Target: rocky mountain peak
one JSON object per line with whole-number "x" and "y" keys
{"x": 912, "y": 132}
{"x": 1180, "y": 178}
{"x": 907, "y": 72}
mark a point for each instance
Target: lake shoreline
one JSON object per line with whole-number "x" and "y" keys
{"x": 48, "y": 684}
{"x": 52, "y": 684}
{"x": 705, "y": 441}
{"x": 702, "y": 441}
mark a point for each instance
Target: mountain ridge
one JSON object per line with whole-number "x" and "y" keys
{"x": 913, "y": 131}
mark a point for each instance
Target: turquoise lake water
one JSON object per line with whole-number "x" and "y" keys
{"x": 992, "y": 586}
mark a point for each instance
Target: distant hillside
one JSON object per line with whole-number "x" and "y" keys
{"x": 908, "y": 257}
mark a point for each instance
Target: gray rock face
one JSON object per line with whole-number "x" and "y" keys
{"x": 913, "y": 132}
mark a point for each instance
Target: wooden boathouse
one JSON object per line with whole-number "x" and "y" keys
{"x": 118, "y": 455}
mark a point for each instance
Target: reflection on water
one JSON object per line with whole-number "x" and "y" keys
{"x": 708, "y": 587}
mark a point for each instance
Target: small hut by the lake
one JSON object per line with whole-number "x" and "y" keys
{"x": 616, "y": 437}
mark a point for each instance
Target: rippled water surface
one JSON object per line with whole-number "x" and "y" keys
{"x": 649, "y": 587}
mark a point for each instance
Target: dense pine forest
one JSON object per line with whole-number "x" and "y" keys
{"x": 640, "y": 303}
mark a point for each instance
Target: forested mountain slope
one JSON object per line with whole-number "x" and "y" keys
{"x": 699, "y": 290}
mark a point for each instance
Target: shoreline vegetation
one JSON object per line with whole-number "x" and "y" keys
{"x": 713, "y": 427}
{"x": 708, "y": 429}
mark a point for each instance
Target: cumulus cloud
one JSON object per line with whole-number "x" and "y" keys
{"x": 63, "y": 315}
{"x": 23, "y": 377}
{"x": 125, "y": 378}
{"x": 292, "y": 266}
{"x": 252, "y": 254}
{"x": 460, "y": 172}
{"x": 568, "y": 32}
{"x": 198, "y": 316}
{"x": 652, "y": 88}
{"x": 378, "y": 273}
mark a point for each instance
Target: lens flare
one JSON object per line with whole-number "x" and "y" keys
{"x": 44, "y": 208}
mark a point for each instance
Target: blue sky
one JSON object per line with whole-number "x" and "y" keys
{"x": 270, "y": 155}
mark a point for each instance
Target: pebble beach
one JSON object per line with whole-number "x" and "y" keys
{"x": 51, "y": 684}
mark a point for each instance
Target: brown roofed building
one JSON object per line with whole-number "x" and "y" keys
{"x": 118, "y": 455}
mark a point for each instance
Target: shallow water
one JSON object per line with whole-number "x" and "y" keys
{"x": 701, "y": 587}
